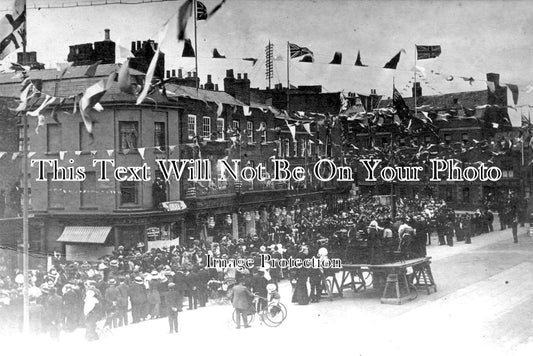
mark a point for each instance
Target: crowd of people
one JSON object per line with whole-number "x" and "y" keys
{"x": 133, "y": 285}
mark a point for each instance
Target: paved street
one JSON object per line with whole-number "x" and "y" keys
{"x": 483, "y": 306}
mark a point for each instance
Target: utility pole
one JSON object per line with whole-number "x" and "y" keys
{"x": 269, "y": 63}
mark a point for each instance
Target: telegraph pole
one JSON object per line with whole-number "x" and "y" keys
{"x": 269, "y": 63}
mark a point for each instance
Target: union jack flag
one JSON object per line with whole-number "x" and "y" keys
{"x": 426, "y": 52}
{"x": 297, "y": 51}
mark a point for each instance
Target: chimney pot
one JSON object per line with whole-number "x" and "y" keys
{"x": 216, "y": 87}
{"x": 209, "y": 78}
{"x": 139, "y": 45}
{"x": 194, "y": 74}
{"x": 180, "y": 73}
{"x": 245, "y": 75}
{"x": 188, "y": 74}
{"x": 168, "y": 74}
{"x": 238, "y": 75}
{"x": 133, "y": 47}
{"x": 229, "y": 73}
{"x": 107, "y": 36}
{"x": 173, "y": 72}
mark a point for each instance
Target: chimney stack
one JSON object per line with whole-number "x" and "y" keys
{"x": 229, "y": 83}
{"x": 133, "y": 47}
{"x": 168, "y": 74}
{"x": 216, "y": 87}
{"x": 107, "y": 36}
{"x": 180, "y": 73}
{"x": 417, "y": 90}
{"x": 495, "y": 78}
{"x": 209, "y": 85}
{"x": 173, "y": 73}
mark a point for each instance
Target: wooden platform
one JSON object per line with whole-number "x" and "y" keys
{"x": 402, "y": 278}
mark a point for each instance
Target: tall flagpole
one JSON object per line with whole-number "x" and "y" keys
{"x": 288, "y": 82}
{"x": 414, "y": 72}
{"x": 25, "y": 237}
{"x": 197, "y": 79}
{"x": 523, "y": 138}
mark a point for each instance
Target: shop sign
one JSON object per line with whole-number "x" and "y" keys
{"x": 152, "y": 232}
{"x": 175, "y": 205}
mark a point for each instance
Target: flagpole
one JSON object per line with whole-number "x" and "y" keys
{"x": 197, "y": 79}
{"x": 288, "y": 82}
{"x": 25, "y": 236}
{"x": 414, "y": 72}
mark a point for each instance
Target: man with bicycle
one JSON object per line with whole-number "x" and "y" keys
{"x": 241, "y": 298}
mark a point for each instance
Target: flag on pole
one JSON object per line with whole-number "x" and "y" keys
{"x": 253, "y": 60}
{"x": 12, "y": 28}
{"x": 297, "y": 51}
{"x": 308, "y": 58}
{"x": 399, "y": 104}
{"x": 393, "y": 63}
{"x": 201, "y": 11}
{"x": 427, "y": 52}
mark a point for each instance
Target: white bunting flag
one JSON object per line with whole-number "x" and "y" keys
{"x": 141, "y": 151}
{"x": 62, "y": 155}
{"x": 109, "y": 153}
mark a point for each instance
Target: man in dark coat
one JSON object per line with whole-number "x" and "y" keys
{"x": 112, "y": 296}
{"x": 122, "y": 305}
{"x": 259, "y": 283}
{"x": 179, "y": 279}
{"x": 241, "y": 298}
{"x": 139, "y": 300}
{"x": 203, "y": 279}
{"x": 173, "y": 307}
{"x": 192, "y": 286}
{"x": 53, "y": 309}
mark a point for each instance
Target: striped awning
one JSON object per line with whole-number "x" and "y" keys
{"x": 85, "y": 234}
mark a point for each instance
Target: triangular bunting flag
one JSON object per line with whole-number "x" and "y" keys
{"x": 126, "y": 150}
{"x": 172, "y": 148}
{"x": 253, "y": 60}
{"x": 109, "y": 152}
{"x": 220, "y": 108}
{"x": 358, "y": 60}
{"x": 246, "y": 110}
{"x": 307, "y": 127}
{"x": 393, "y": 63}
{"x": 91, "y": 70}
{"x": 188, "y": 50}
{"x": 308, "y": 58}
{"x": 216, "y": 54}
{"x": 337, "y": 58}
{"x": 514, "y": 91}
{"x": 141, "y": 151}
{"x": 14, "y": 156}
{"x": 184, "y": 13}
{"x": 2, "y": 154}
{"x": 124, "y": 82}
{"x": 94, "y": 152}
{"x": 62, "y": 155}
{"x": 77, "y": 153}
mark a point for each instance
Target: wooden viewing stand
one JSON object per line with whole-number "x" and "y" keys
{"x": 398, "y": 283}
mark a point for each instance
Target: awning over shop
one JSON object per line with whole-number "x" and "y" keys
{"x": 85, "y": 234}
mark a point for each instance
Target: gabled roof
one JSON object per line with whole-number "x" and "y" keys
{"x": 469, "y": 99}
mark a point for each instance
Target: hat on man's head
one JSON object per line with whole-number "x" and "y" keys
{"x": 139, "y": 280}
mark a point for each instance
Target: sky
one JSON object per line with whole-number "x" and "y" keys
{"x": 476, "y": 37}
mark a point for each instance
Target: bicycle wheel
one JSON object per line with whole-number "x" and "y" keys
{"x": 275, "y": 314}
{"x": 249, "y": 317}
{"x": 414, "y": 291}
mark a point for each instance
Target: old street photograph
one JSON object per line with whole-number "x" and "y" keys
{"x": 266, "y": 177}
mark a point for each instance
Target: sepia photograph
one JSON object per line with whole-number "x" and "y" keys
{"x": 266, "y": 177}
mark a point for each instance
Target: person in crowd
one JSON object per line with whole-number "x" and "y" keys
{"x": 54, "y": 311}
{"x": 241, "y": 299}
{"x": 153, "y": 296}
{"x": 173, "y": 307}
{"x": 112, "y": 300}
{"x": 92, "y": 309}
{"x": 139, "y": 299}
{"x": 122, "y": 303}
{"x": 192, "y": 281}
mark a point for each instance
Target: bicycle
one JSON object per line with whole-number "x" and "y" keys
{"x": 272, "y": 315}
